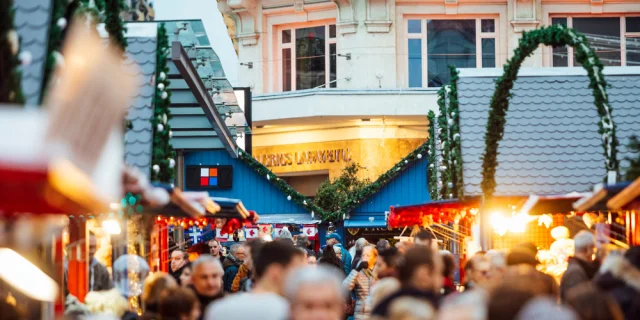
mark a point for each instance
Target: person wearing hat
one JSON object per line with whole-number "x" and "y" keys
{"x": 334, "y": 239}
{"x": 620, "y": 277}
{"x": 525, "y": 254}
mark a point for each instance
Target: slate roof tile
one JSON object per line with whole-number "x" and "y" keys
{"x": 139, "y": 139}
{"x": 32, "y": 19}
{"x": 551, "y": 143}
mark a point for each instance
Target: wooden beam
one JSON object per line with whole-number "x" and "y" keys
{"x": 625, "y": 196}
{"x": 181, "y": 59}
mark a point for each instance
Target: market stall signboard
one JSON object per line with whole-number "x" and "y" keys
{"x": 209, "y": 177}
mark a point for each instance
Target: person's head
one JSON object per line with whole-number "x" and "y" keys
{"x": 154, "y": 286}
{"x": 369, "y": 254}
{"x": 420, "y": 268}
{"x": 315, "y": 294}
{"x": 585, "y": 245}
{"x": 383, "y": 244}
{"x": 478, "y": 269}
{"x": 214, "y": 247}
{"x": 470, "y": 305}
{"x": 386, "y": 263}
{"x": 329, "y": 254}
{"x": 545, "y": 308}
{"x": 498, "y": 262}
{"x": 410, "y": 308}
{"x": 207, "y": 275}
{"x": 238, "y": 251}
{"x": 521, "y": 255}
{"x": 185, "y": 275}
{"x": 312, "y": 260}
{"x": 273, "y": 264}
{"x": 252, "y": 247}
{"x": 333, "y": 238}
{"x": 179, "y": 304}
{"x": 506, "y": 302}
{"x": 178, "y": 259}
{"x": 527, "y": 277}
{"x": 592, "y": 304}
{"x": 382, "y": 289}
{"x": 448, "y": 263}
{"x": 338, "y": 251}
{"x": 302, "y": 241}
{"x": 360, "y": 243}
{"x": 424, "y": 238}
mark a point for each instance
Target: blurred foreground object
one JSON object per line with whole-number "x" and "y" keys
{"x": 69, "y": 159}
{"x": 26, "y": 277}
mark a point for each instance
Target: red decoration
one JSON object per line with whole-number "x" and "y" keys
{"x": 426, "y": 214}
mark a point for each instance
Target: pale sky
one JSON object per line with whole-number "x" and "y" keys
{"x": 207, "y": 11}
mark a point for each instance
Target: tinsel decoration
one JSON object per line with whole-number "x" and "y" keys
{"x": 432, "y": 173}
{"x": 162, "y": 152}
{"x": 10, "y": 75}
{"x": 114, "y": 24}
{"x": 133, "y": 238}
{"x": 54, "y": 44}
{"x": 555, "y": 35}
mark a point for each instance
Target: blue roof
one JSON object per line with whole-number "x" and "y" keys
{"x": 409, "y": 187}
{"x": 255, "y": 191}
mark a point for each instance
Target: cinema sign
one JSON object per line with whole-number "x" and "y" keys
{"x": 304, "y": 157}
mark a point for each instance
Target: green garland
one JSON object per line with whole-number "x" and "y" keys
{"x": 556, "y": 35}
{"x": 10, "y": 75}
{"x": 54, "y": 44}
{"x": 113, "y": 22}
{"x": 163, "y": 155}
{"x": 445, "y": 144}
{"x": 456, "y": 150}
{"x": 432, "y": 170}
{"x": 283, "y": 186}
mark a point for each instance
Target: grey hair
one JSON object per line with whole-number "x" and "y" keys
{"x": 360, "y": 243}
{"x": 313, "y": 276}
{"x": 497, "y": 258}
{"x": 234, "y": 248}
{"x": 205, "y": 259}
{"x": 583, "y": 240}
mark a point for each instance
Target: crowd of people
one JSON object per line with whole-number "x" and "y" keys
{"x": 283, "y": 279}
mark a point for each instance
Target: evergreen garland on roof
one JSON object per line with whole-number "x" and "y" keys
{"x": 57, "y": 27}
{"x": 10, "y": 75}
{"x": 113, "y": 22}
{"x": 162, "y": 154}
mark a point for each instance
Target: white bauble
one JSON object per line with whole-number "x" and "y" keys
{"x": 289, "y": 198}
{"x": 59, "y": 58}
{"x": 162, "y": 76}
{"x": 160, "y": 127}
{"x": 156, "y": 168}
{"x": 164, "y": 118}
{"x": 172, "y": 163}
{"x": 450, "y": 122}
{"x": 161, "y": 86}
{"x": 449, "y": 184}
{"x": 406, "y": 161}
{"x": 61, "y": 23}
{"x": 268, "y": 177}
{"x": 304, "y": 202}
{"x": 419, "y": 156}
{"x": 164, "y": 95}
{"x": 170, "y": 134}
{"x": 25, "y": 58}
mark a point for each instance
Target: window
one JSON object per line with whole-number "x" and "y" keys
{"x": 616, "y": 40}
{"x": 308, "y": 57}
{"x": 434, "y": 45}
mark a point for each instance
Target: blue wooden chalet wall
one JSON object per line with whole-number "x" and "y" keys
{"x": 255, "y": 192}
{"x": 410, "y": 187}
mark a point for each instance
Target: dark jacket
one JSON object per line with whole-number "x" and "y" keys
{"x": 99, "y": 277}
{"x": 176, "y": 274}
{"x": 382, "y": 309}
{"x": 205, "y": 301}
{"x": 621, "y": 280}
{"x": 231, "y": 265}
{"x": 578, "y": 271}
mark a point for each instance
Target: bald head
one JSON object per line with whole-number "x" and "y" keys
{"x": 207, "y": 276}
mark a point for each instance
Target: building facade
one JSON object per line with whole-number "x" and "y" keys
{"x": 358, "y": 77}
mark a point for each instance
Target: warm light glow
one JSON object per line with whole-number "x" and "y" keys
{"x": 560, "y": 232}
{"x": 23, "y": 275}
{"x": 545, "y": 219}
{"x": 516, "y": 223}
{"x": 111, "y": 227}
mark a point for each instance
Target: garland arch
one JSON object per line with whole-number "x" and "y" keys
{"x": 556, "y": 35}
